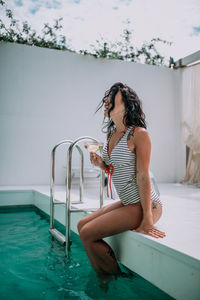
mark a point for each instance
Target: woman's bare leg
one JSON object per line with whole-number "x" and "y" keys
{"x": 103, "y": 210}
{"x": 113, "y": 222}
{"x": 98, "y": 212}
{"x": 118, "y": 220}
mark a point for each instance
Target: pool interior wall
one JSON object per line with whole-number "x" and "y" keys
{"x": 173, "y": 272}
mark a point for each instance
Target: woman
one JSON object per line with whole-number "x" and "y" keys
{"x": 126, "y": 154}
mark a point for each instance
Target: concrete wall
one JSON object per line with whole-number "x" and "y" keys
{"x": 49, "y": 95}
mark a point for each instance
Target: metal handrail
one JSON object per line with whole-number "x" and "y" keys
{"x": 68, "y": 209}
{"x": 52, "y": 179}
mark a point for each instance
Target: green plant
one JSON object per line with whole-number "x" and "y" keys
{"x": 125, "y": 50}
{"x": 26, "y": 35}
{"x": 122, "y": 50}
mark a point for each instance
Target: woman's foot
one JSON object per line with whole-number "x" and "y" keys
{"x": 105, "y": 278}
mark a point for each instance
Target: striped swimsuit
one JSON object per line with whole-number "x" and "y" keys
{"x": 124, "y": 175}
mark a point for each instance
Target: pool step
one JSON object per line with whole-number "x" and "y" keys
{"x": 59, "y": 236}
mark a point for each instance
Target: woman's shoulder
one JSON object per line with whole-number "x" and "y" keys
{"x": 135, "y": 130}
{"x": 138, "y": 136}
{"x": 141, "y": 136}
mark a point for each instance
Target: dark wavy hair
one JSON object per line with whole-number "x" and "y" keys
{"x": 134, "y": 114}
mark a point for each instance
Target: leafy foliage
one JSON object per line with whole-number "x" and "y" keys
{"x": 26, "y": 35}
{"x": 123, "y": 50}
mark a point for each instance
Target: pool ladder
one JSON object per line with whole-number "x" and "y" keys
{"x": 65, "y": 239}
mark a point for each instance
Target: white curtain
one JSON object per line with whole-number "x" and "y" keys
{"x": 191, "y": 122}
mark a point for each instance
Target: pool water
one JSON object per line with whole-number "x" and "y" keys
{"x": 34, "y": 266}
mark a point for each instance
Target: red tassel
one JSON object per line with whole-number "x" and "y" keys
{"x": 109, "y": 170}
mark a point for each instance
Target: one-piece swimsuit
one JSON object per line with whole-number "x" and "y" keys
{"x": 123, "y": 162}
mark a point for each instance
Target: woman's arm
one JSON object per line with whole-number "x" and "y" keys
{"x": 143, "y": 153}
{"x": 142, "y": 143}
{"x": 103, "y": 166}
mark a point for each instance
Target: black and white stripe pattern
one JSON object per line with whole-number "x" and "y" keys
{"x": 124, "y": 177}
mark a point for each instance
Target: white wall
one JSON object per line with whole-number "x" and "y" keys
{"x": 49, "y": 95}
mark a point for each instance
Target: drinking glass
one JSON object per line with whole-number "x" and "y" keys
{"x": 93, "y": 146}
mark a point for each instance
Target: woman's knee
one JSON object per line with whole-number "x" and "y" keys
{"x": 84, "y": 221}
{"x": 85, "y": 233}
{"x": 80, "y": 224}
{"x": 90, "y": 217}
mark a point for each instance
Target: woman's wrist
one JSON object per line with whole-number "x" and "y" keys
{"x": 103, "y": 166}
{"x": 147, "y": 214}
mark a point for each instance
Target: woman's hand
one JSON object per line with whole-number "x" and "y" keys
{"x": 97, "y": 160}
{"x": 148, "y": 228}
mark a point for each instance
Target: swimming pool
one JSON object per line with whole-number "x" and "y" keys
{"x": 34, "y": 266}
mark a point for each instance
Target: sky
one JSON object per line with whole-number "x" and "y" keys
{"x": 85, "y": 21}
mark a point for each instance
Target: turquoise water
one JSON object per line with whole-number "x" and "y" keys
{"x": 34, "y": 266}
